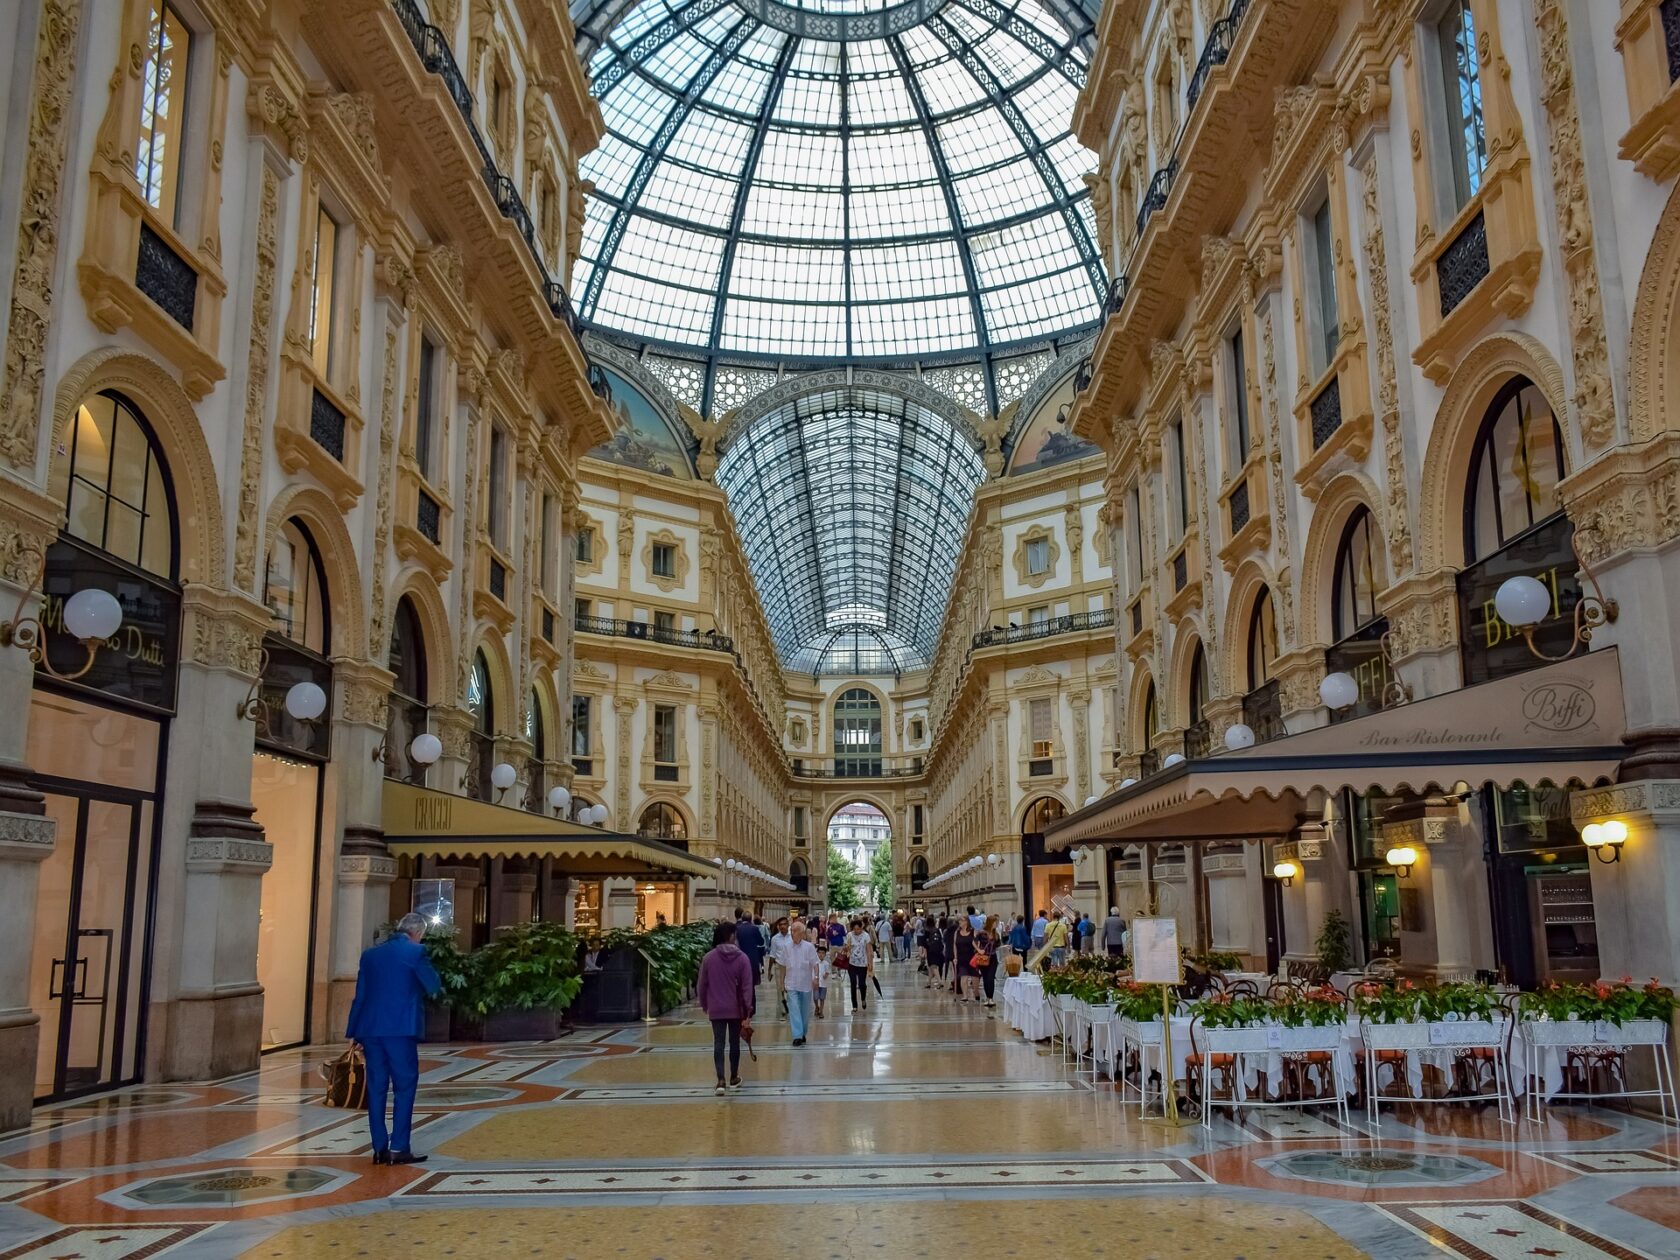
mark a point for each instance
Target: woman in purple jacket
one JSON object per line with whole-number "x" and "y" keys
{"x": 726, "y": 995}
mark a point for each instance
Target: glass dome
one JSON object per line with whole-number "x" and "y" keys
{"x": 838, "y": 180}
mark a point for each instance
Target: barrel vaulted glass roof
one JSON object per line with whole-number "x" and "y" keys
{"x": 851, "y": 504}
{"x": 838, "y": 180}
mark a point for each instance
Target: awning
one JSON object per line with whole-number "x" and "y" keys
{"x": 1560, "y": 724}
{"x": 421, "y": 822}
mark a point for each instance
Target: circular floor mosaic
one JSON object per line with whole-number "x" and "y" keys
{"x": 1379, "y": 1168}
{"x": 231, "y": 1187}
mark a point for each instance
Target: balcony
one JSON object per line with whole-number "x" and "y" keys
{"x": 859, "y": 768}
{"x": 1100, "y": 619}
{"x": 710, "y": 640}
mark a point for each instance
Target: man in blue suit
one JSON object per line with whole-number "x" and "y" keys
{"x": 387, "y": 1020}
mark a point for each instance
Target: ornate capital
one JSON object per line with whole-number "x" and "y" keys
{"x": 223, "y": 631}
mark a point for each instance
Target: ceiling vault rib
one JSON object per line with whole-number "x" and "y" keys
{"x": 738, "y": 214}
{"x": 942, "y": 168}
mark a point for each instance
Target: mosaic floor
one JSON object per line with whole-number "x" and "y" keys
{"x": 919, "y": 1128}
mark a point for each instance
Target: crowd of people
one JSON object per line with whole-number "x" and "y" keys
{"x": 960, "y": 954}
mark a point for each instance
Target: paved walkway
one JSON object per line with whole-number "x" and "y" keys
{"x": 917, "y": 1128}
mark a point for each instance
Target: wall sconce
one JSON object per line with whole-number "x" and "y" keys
{"x": 1524, "y": 601}
{"x": 502, "y": 777}
{"x": 91, "y": 615}
{"x": 558, "y": 799}
{"x": 305, "y": 701}
{"x": 1239, "y": 735}
{"x": 423, "y": 749}
{"x": 1340, "y": 690}
{"x": 1286, "y": 871}
{"x": 1605, "y": 838}
{"x": 1402, "y": 858}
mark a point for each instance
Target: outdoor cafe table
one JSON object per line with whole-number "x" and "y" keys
{"x": 1026, "y": 1008}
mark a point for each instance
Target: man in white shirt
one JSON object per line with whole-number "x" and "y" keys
{"x": 778, "y": 954}
{"x": 799, "y": 974}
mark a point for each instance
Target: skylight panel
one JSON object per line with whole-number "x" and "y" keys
{"x": 655, "y": 310}
{"x": 1008, "y": 60}
{"x": 702, "y": 199}
{"x": 893, "y": 272}
{"x": 816, "y": 56}
{"x": 913, "y": 328}
{"x": 788, "y": 274}
{"x": 1001, "y": 193}
{"x": 891, "y": 157}
{"x": 1012, "y": 254}
{"x": 1072, "y": 162}
{"x": 1059, "y": 300}
{"x": 799, "y": 214}
{"x": 948, "y": 86}
{"x": 671, "y": 255}
{"x": 918, "y": 210}
{"x": 800, "y": 157}
{"x": 609, "y": 166}
{"x": 740, "y": 86}
{"x": 778, "y": 328}
{"x": 876, "y": 101}
{"x": 674, "y": 64}
{"x": 809, "y": 102}
{"x": 976, "y": 139}
{"x": 712, "y": 142}
{"x": 636, "y": 109}
{"x": 1048, "y": 103}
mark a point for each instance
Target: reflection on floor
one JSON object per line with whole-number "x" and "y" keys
{"x": 916, "y": 1128}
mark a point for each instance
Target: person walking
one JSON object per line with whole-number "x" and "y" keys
{"x": 860, "y": 964}
{"x": 1020, "y": 936}
{"x": 976, "y": 920}
{"x": 836, "y": 930}
{"x": 726, "y": 991}
{"x": 968, "y": 980}
{"x": 1056, "y": 939}
{"x": 934, "y": 948}
{"x": 387, "y": 1020}
{"x": 1087, "y": 934}
{"x": 1114, "y": 933}
{"x": 985, "y": 960}
{"x": 750, "y": 941}
{"x": 883, "y": 938}
{"x": 949, "y": 931}
{"x": 825, "y": 972}
{"x": 779, "y": 942}
{"x": 799, "y": 980}
{"x": 1040, "y": 926}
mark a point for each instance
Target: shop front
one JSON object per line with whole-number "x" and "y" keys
{"x": 97, "y": 732}
{"x": 1045, "y": 876}
{"x": 478, "y": 867}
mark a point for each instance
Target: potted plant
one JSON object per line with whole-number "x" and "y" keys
{"x": 523, "y": 982}
{"x": 1332, "y": 944}
{"x": 456, "y": 970}
{"x": 1639, "y": 1016}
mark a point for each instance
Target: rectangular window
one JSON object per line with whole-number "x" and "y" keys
{"x": 1239, "y": 402}
{"x": 582, "y": 608}
{"x": 546, "y": 578}
{"x": 664, "y": 622}
{"x": 1134, "y": 535}
{"x": 1038, "y": 714}
{"x": 1038, "y": 556}
{"x": 496, "y": 509}
{"x": 580, "y": 726}
{"x": 1181, "y": 479}
{"x": 664, "y": 560}
{"x": 323, "y": 284}
{"x": 1038, "y": 615}
{"x": 917, "y": 730}
{"x": 665, "y": 733}
{"x": 918, "y": 823}
{"x": 585, "y": 546}
{"x": 425, "y": 412}
{"x": 1324, "y": 286}
{"x": 798, "y": 822}
{"x": 163, "y": 110}
{"x": 1461, "y": 77}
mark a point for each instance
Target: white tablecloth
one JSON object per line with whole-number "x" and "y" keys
{"x": 1026, "y": 1008}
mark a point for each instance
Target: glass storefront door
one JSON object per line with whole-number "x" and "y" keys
{"x": 286, "y": 794}
{"x": 98, "y": 770}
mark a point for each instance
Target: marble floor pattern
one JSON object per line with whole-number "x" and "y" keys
{"x": 917, "y": 1128}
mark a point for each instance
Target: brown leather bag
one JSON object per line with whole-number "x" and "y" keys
{"x": 346, "y": 1080}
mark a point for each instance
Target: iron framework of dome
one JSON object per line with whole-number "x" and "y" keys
{"x": 851, "y": 505}
{"x": 806, "y": 182}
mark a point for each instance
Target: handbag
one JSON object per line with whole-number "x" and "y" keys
{"x": 981, "y": 960}
{"x": 346, "y": 1080}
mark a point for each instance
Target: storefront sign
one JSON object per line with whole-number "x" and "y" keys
{"x": 137, "y": 663}
{"x": 1492, "y": 648}
{"x": 1155, "y": 956}
{"x": 1361, "y": 657}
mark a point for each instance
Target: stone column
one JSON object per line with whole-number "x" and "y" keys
{"x": 1636, "y": 898}
{"x": 1232, "y": 905}
{"x": 364, "y": 869}
{"x": 26, "y": 833}
{"x": 453, "y": 727}
{"x": 618, "y": 908}
{"x": 206, "y": 1001}
{"x": 1322, "y": 886}
{"x": 1298, "y": 674}
{"x": 1455, "y": 935}
{"x": 1422, "y": 613}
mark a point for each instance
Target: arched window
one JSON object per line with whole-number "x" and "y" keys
{"x": 1355, "y": 604}
{"x": 663, "y": 822}
{"x": 293, "y": 587}
{"x": 857, "y": 733}
{"x": 115, "y": 487}
{"x": 406, "y": 715}
{"x": 1198, "y": 736}
{"x": 481, "y": 704}
{"x": 1514, "y": 470}
{"x": 918, "y": 873}
{"x": 1262, "y": 640}
{"x": 1151, "y": 716}
{"x": 536, "y": 783}
{"x": 1040, "y": 814}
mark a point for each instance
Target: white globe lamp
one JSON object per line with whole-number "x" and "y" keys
{"x": 1126, "y": 783}
{"x": 1338, "y": 690}
{"x": 559, "y": 798}
{"x": 305, "y": 701}
{"x": 1522, "y": 601}
{"x": 92, "y": 614}
{"x": 1092, "y": 799}
{"x": 425, "y": 749}
{"x": 1173, "y": 759}
{"x": 502, "y": 776}
{"x": 1239, "y": 736}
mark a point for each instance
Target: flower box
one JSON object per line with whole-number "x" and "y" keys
{"x": 1273, "y": 1038}
{"x": 1590, "y": 1032}
{"x": 1146, "y": 1032}
{"x": 1439, "y": 1034}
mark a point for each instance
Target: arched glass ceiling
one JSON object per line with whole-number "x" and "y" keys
{"x": 851, "y": 504}
{"x": 765, "y": 193}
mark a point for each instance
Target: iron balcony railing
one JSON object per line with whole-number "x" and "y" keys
{"x": 708, "y": 639}
{"x": 1048, "y": 628}
{"x": 1160, "y": 188}
{"x": 1221, "y": 39}
{"x": 861, "y": 769}
{"x": 432, "y": 47}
